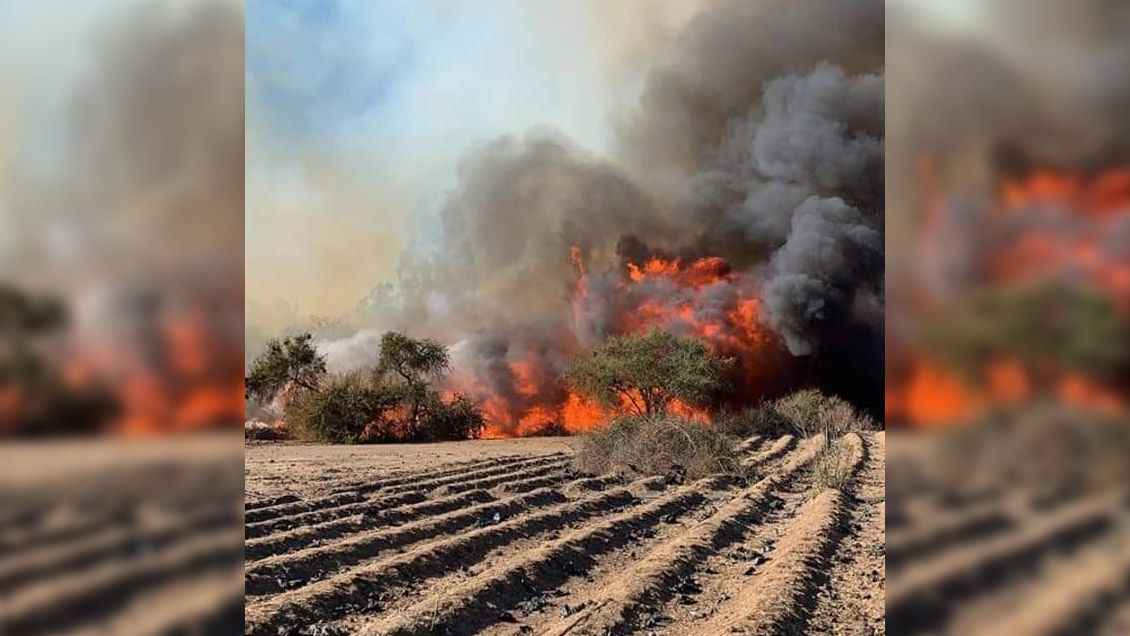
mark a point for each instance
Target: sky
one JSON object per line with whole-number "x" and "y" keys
{"x": 358, "y": 113}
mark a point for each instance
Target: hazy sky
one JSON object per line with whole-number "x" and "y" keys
{"x": 359, "y": 111}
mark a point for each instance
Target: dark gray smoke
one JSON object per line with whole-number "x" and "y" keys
{"x": 758, "y": 139}
{"x": 801, "y": 182}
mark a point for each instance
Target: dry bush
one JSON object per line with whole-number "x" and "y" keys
{"x": 832, "y": 466}
{"x": 762, "y": 419}
{"x": 657, "y": 445}
{"x": 809, "y": 412}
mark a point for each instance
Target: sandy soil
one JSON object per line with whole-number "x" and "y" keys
{"x": 273, "y": 468}
{"x": 505, "y": 539}
{"x": 1010, "y": 530}
{"x": 133, "y": 538}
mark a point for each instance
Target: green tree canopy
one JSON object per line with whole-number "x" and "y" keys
{"x": 410, "y": 364}
{"x": 342, "y": 408}
{"x": 412, "y": 361}
{"x": 645, "y": 373}
{"x": 293, "y": 359}
{"x": 394, "y": 402}
{"x": 1048, "y": 326}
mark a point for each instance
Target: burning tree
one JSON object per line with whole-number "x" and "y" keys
{"x": 292, "y": 360}
{"x": 36, "y": 398}
{"x": 648, "y": 374}
{"x": 395, "y": 400}
{"x": 408, "y": 366}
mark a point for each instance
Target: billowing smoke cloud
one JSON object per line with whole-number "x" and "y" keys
{"x": 803, "y": 179}
{"x": 358, "y": 351}
{"x": 135, "y": 218}
{"x": 756, "y": 153}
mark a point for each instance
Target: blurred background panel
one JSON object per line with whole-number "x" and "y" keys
{"x": 121, "y": 313}
{"x": 121, "y": 215}
{"x": 1008, "y": 319}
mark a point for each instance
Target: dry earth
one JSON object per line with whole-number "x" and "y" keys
{"x": 121, "y": 539}
{"x": 504, "y": 538}
{"x": 1007, "y": 531}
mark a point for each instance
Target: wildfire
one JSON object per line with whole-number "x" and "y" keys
{"x": 700, "y": 297}
{"x": 1045, "y": 224}
{"x": 188, "y": 376}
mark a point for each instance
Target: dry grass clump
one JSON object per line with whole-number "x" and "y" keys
{"x": 805, "y": 413}
{"x": 658, "y": 445}
{"x": 810, "y": 412}
{"x": 762, "y": 419}
{"x": 832, "y": 466}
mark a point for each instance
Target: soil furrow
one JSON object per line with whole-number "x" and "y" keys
{"x": 369, "y": 506}
{"x": 297, "y": 507}
{"x": 308, "y": 535}
{"x": 778, "y": 448}
{"x": 366, "y": 586}
{"x": 750, "y": 444}
{"x": 99, "y": 592}
{"x": 270, "y": 501}
{"x": 275, "y": 574}
{"x": 557, "y": 471}
{"x": 854, "y": 599}
{"x": 579, "y": 487}
{"x": 205, "y": 605}
{"x": 623, "y": 603}
{"x": 773, "y": 603}
{"x": 1070, "y": 597}
{"x": 479, "y": 602}
{"x": 779, "y": 600}
{"x": 405, "y": 484}
{"x": 925, "y": 593}
{"x": 67, "y": 525}
{"x": 948, "y": 531}
{"x": 377, "y": 513}
{"x": 118, "y": 543}
{"x": 447, "y": 470}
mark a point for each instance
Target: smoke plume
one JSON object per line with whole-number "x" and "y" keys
{"x": 743, "y": 204}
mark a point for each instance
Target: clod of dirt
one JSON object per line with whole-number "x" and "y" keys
{"x": 322, "y": 628}
{"x": 568, "y": 610}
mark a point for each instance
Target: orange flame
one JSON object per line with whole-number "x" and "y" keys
{"x": 1085, "y": 209}
{"x": 539, "y": 403}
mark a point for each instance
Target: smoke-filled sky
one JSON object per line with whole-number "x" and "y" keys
{"x": 479, "y": 155}
{"x": 359, "y": 112}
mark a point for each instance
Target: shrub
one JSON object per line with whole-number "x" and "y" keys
{"x": 761, "y": 419}
{"x": 458, "y": 419}
{"x": 340, "y": 410}
{"x": 657, "y": 445}
{"x": 809, "y": 412}
{"x": 832, "y": 466}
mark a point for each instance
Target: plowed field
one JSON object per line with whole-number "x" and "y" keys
{"x": 511, "y": 540}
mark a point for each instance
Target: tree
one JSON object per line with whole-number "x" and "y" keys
{"x": 645, "y": 373}
{"x": 394, "y": 401}
{"x": 1048, "y": 326}
{"x": 36, "y": 400}
{"x": 342, "y": 410}
{"x": 292, "y": 360}
{"x": 458, "y": 418}
{"x": 410, "y": 365}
